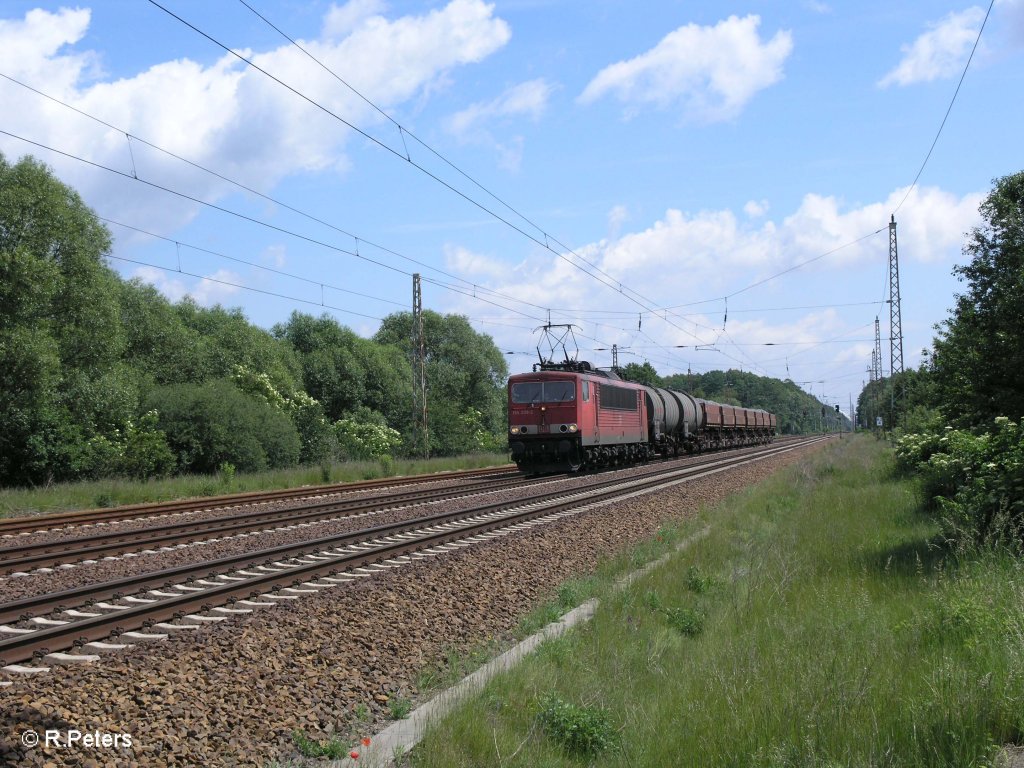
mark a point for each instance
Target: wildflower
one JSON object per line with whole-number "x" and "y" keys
{"x": 366, "y": 741}
{"x": 354, "y": 755}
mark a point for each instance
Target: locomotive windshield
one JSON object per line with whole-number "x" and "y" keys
{"x": 543, "y": 392}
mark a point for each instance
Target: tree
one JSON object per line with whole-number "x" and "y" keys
{"x": 466, "y": 376}
{"x": 641, "y": 374}
{"x": 331, "y": 373}
{"x": 60, "y": 332}
{"x": 225, "y": 338}
{"x": 979, "y": 353}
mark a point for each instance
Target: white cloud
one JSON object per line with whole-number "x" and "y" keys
{"x": 173, "y": 288}
{"x": 756, "y": 208}
{"x": 29, "y": 46}
{"x": 473, "y": 265}
{"x": 526, "y": 99}
{"x": 341, "y": 20}
{"x": 225, "y": 115}
{"x": 617, "y": 217}
{"x": 931, "y": 223}
{"x": 529, "y": 99}
{"x": 215, "y": 290}
{"x": 275, "y": 256}
{"x": 711, "y": 72}
{"x": 205, "y": 292}
{"x": 687, "y": 257}
{"x": 938, "y": 53}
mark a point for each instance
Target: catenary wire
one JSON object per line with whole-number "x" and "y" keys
{"x": 356, "y": 238}
{"x": 251, "y": 219}
{"x": 948, "y": 110}
{"x": 249, "y": 263}
{"x": 245, "y": 287}
{"x": 615, "y": 285}
{"x": 404, "y": 131}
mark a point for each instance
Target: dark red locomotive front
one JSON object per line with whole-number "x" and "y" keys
{"x": 563, "y": 419}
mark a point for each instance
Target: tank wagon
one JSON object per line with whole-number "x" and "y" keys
{"x": 572, "y": 417}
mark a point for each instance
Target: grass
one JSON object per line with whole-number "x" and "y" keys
{"x": 334, "y": 748}
{"x": 112, "y": 492}
{"x": 831, "y": 630}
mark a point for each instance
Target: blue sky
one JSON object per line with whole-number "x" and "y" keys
{"x": 653, "y": 162}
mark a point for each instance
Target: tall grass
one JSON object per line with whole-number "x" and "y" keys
{"x": 833, "y": 632}
{"x": 116, "y": 491}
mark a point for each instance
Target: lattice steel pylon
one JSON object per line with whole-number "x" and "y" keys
{"x": 419, "y": 369}
{"x": 895, "y": 326}
{"x": 876, "y": 355}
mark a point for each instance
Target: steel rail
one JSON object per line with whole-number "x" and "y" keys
{"x": 109, "y": 543}
{"x": 28, "y": 523}
{"x": 28, "y": 645}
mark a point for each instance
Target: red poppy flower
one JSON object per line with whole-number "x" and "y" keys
{"x": 354, "y": 755}
{"x": 366, "y": 741}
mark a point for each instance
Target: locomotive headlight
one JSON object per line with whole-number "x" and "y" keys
{"x": 572, "y": 427}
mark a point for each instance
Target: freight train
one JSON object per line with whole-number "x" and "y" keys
{"x": 570, "y": 416}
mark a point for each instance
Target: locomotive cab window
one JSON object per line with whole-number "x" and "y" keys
{"x": 586, "y": 391}
{"x": 543, "y": 392}
{"x": 527, "y": 392}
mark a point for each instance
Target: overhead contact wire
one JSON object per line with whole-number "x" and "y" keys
{"x": 948, "y": 109}
{"x": 617, "y": 287}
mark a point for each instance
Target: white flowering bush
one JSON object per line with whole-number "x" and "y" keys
{"x": 478, "y": 439}
{"x": 915, "y": 448}
{"x": 139, "y": 450}
{"x": 976, "y": 482}
{"x": 306, "y": 412}
{"x": 362, "y": 439}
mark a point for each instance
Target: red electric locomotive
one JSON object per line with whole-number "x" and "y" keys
{"x": 569, "y": 416}
{"x": 562, "y": 419}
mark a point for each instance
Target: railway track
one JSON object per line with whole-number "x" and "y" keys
{"x": 22, "y": 557}
{"x": 24, "y": 524}
{"x": 42, "y": 627}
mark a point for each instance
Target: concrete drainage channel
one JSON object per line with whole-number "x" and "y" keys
{"x": 402, "y": 736}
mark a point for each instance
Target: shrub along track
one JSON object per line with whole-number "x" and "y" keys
{"x": 314, "y": 663}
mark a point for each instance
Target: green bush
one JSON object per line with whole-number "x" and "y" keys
{"x": 146, "y": 452}
{"x": 333, "y": 749}
{"x": 685, "y": 621}
{"x": 581, "y": 731}
{"x": 975, "y": 482}
{"x": 214, "y": 423}
{"x": 317, "y": 438}
{"x": 140, "y": 451}
{"x": 697, "y": 581}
